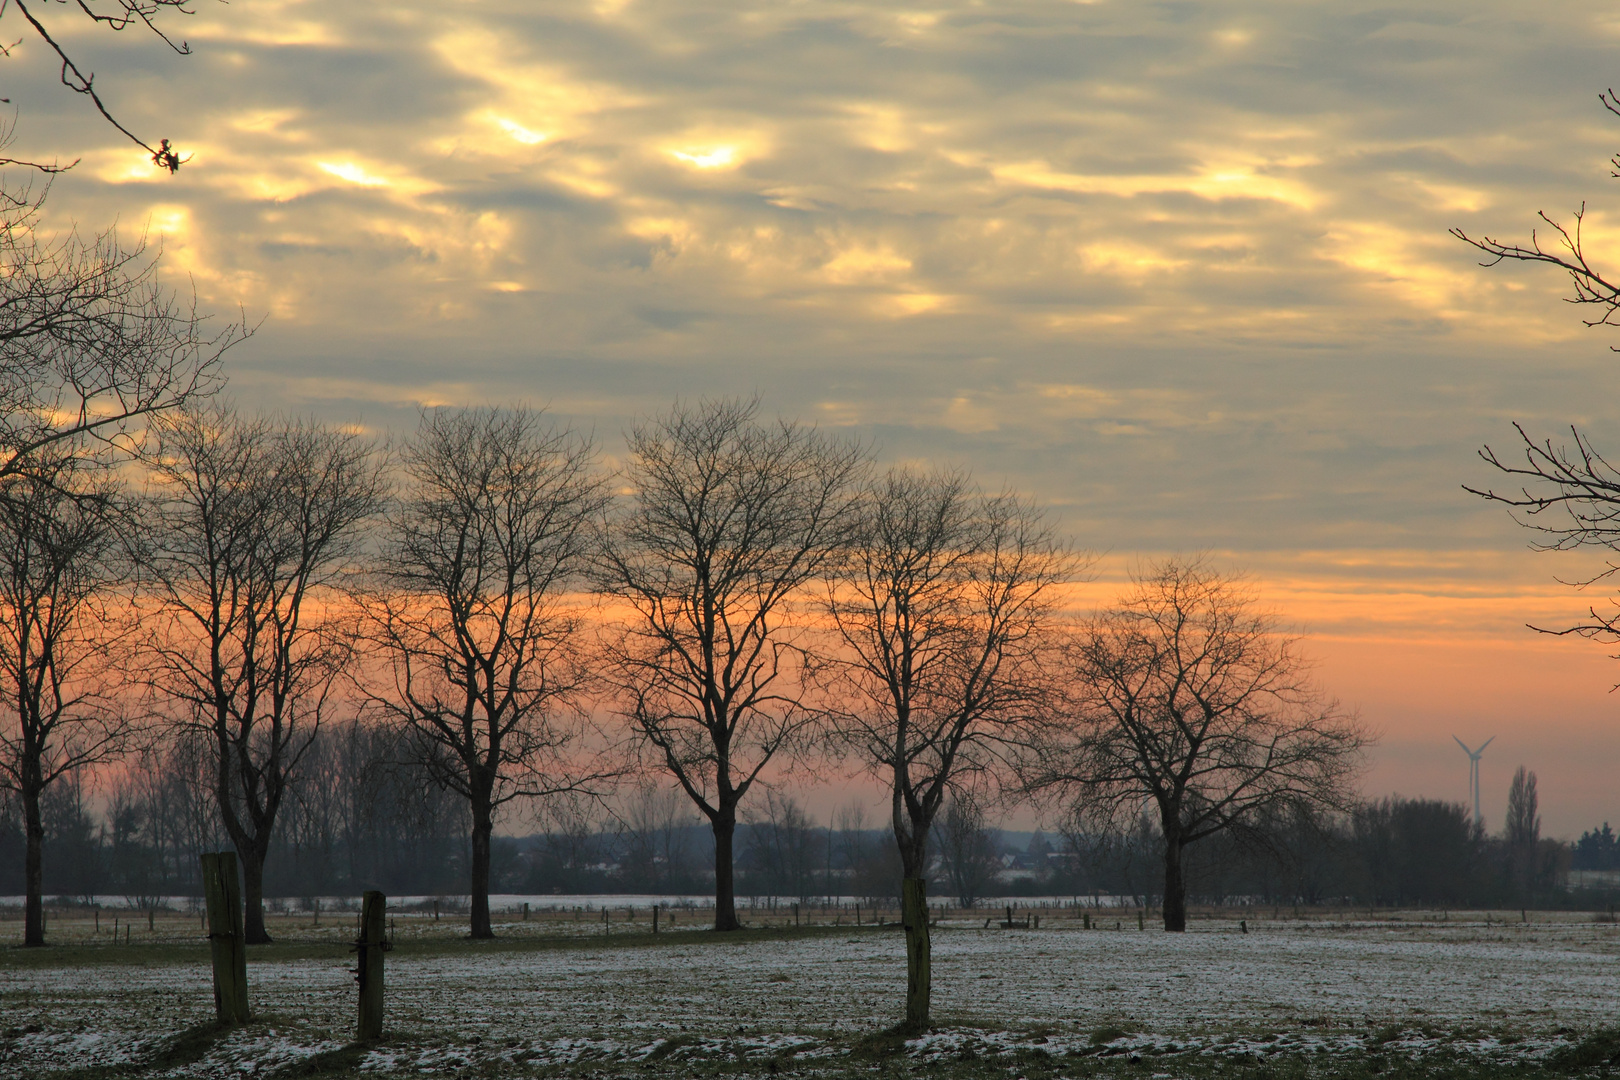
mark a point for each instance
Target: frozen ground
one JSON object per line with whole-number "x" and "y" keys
{"x": 1318, "y": 987}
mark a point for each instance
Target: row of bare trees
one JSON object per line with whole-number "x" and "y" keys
{"x": 742, "y": 597}
{"x": 756, "y": 599}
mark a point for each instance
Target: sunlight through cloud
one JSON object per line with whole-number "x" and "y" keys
{"x": 354, "y": 174}
{"x": 715, "y": 158}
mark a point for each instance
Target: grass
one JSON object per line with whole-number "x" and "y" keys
{"x": 188, "y": 1047}
{"x": 732, "y": 1036}
{"x": 883, "y": 1056}
{"x": 74, "y": 953}
{"x": 1600, "y": 1049}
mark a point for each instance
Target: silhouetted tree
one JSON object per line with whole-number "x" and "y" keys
{"x": 1566, "y": 251}
{"x": 870, "y": 866}
{"x": 727, "y": 522}
{"x": 474, "y": 620}
{"x": 655, "y": 831}
{"x": 115, "y": 15}
{"x": 1569, "y": 494}
{"x": 940, "y": 607}
{"x": 255, "y": 527}
{"x": 1185, "y": 694}
{"x": 91, "y": 344}
{"x": 784, "y": 851}
{"x": 58, "y": 709}
{"x": 1419, "y": 851}
{"x": 1523, "y": 832}
{"x": 968, "y": 855}
{"x": 1597, "y": 849}
{"x": 1523, "y": 821}
{"x": 77, "y": 866}
{"x": 365, "y": 815}
{"x": 1113, "y": 852}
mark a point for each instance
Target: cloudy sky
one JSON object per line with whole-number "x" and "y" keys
{"x": 1180, "y": 269}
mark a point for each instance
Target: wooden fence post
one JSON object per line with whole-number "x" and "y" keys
{"x": 655, "y": 918}
{"x": 368, "y": 972}
{"x": 227, "y": 938}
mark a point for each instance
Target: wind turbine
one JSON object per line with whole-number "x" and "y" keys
{"x": 1473, "y": 773}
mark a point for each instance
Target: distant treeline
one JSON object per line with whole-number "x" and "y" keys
{"x": 1391, "y": 852}
{"x": 369, "y": 816}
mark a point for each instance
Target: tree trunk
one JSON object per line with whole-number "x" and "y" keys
{"x": 911, "y": 835}
{"x": 33, "y": 870}
{"x": 483, "y": 828}
{"x": 919, "y": 951}
{"x": 253, "y": 894}
{"x": 1175, "y": 887}
{"x": 725, "y": 891}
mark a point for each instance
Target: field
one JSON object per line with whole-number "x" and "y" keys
{"x": 1419, "y": 993}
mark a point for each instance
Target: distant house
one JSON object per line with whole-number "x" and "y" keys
{"x": 1035, "y": 862}
{"x": 1020, "y": 866}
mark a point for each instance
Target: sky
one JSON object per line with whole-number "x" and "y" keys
{"x": 1180, "y": 270}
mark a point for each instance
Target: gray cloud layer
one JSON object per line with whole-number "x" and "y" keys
{"x": 1181, "y": 268}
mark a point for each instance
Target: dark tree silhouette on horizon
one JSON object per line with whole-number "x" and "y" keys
{"x": 940, "y": 605}
{"x": 486, "y": 670}
{"x": 727, "y": 521}
{"x": 59, "y": 687}
{"x": 1186, "y": 695}
{"x": 254, "y": 529}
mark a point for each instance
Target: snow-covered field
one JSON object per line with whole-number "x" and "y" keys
{"x": 1502, "y": 989}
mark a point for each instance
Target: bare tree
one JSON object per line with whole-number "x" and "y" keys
{"x": 655, "y": 824}
{"x": 1118, "y": 849}
{"x": 968, "y": 858}
{"x": 870, "y": 868}
{"x": 91, "y": 343}
{"x": 145, "y": 806}
{"x": 474, "y": 617}
{"x": 1566, "y": 250}
{"x": 1523, "y": 821}
{"x": 1186, "y": 694}
{"x": 58, "y": 567}
{"x": 941, "y": 607}
{"x": 784, "y": 848}
{"x": 1569, "y": 494}
{"x": 255, "y": 527}
{"x": 728, "y": 521}
{"x": 1523, "y": 832}
{"x": 115, "y": 15}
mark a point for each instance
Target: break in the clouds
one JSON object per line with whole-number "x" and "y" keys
{"x": 1180, "y": 267}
